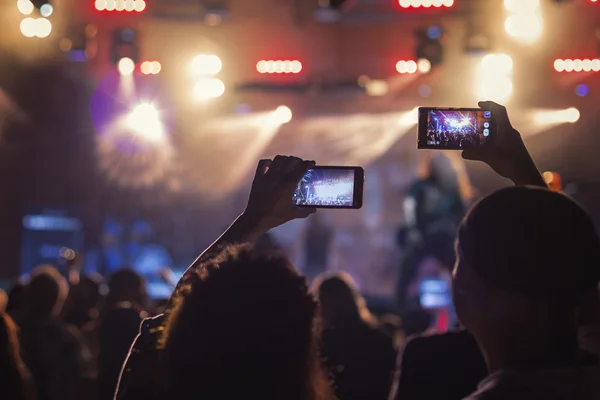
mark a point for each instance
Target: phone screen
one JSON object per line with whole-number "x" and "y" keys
{"x": 327, "y": 187}
{"x": 435, "y": 294}
{"x": 455, "y": 129}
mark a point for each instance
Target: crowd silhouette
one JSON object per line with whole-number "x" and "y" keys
{"x": 243, "y": 322}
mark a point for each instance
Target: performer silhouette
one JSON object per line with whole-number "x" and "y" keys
{"x": 435, "y": 204}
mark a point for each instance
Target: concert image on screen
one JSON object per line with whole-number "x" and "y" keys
{"x": 458, "y": 129}
{"x": 326, "y": 187}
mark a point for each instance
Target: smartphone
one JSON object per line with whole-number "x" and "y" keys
{"x": 455, "y": 128}
{"x": 435, "y": 294}
{"x": 331, "y": 187}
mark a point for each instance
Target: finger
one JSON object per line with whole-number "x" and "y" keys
{"x": 471, "y": 154}
{"x": 499, "y": 112}
{"x": 300, "y": 170}
{"x": 277, "y": 165}
{"x": 262, "y": 168}
{"x": 304, "y": 212}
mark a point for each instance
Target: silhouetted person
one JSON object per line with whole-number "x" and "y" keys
{"x": 83, "y": 302}
{"x": 15, "y": 379}
{"x": 245, "y": 329}
{"x": 357, "y": 353}
{"x": 434, "y": 206}
{"x": 119, "y": 325}
{"x": 54, "y": 352}
{"x": 526, "y": 259}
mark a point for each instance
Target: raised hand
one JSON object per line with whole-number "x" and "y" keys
{"x": 270, "y": 203}
{"x": 507, "y": 155}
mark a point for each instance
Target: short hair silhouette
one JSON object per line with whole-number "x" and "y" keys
{"x": 533, "y": 242}
{"x": 46, "y": 292}
{"x": 244, "y": 327}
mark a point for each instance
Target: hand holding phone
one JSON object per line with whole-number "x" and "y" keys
{"x": 455, "y": 128}
{"x": 331, "y": 187}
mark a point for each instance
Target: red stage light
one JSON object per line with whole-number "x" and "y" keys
{"x": 279, "y": 66}
{"x": 577, "y": 65}
{"x": 406, "y": 67}
{"x": 120, "y": 5}
{"x": 426, "y": 3}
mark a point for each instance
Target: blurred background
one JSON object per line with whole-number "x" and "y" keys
{"x": 139, "y": 122}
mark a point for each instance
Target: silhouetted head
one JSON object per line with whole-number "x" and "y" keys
{"x": 525, "y": 259}
{"x": 46, "y": 292}
{"x": 244, "y": 329}
{"x": 340, "y": 302}
{"x": 126, "y": 285}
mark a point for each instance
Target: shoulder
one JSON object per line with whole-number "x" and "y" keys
{"x": 433, "y": 345}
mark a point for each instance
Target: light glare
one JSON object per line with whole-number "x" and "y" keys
{"x": 209, "y": 88}
{"x": 25, "y": 7}
{"x": 525, "y": 27}
{"x": 145, "y": 121}
{"x": 282, "y": 115}
{"x": 207, "y": 64}
{"x": 126, "y": 66}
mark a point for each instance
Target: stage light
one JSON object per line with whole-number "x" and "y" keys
{"x": 279, "y": 67}
{"x": 282, "y": 115}
{"x": 43, "y": 28}
{"x": 126, "y": 66}
{"x": 206, "y": 64}
{"x": 46, "y": 10}
{"x": 522, "y": 6}
{"x": 582, "y": 90}
{"x": 499, "y": 64}
{"x": 498, "y": 90}
{"x": 556, "y": 117}
{"x": 28, "y": 27}
{"x": 406, "y": 67}
{"x": 409, "y": 118}
{"x": 25, "y": 7}
{"x": 377, "y": 88}
{"x": 208, "y": 88}
{"x": 524, "y": 27}
{"x": 577, "y": 65}
{"x": 150, "y": 67}
{"x": 424, "y": 66}
{"x": 144, "y": 120}
{"x": 425, "y": 3}
{"x": 120, "y": 5}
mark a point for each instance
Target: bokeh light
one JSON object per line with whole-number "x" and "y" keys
{"x": 25, "y": 7}
{"x": 206, "y": 64}
{"x": 208, "y": 88}
{"x": 126, "y": 66}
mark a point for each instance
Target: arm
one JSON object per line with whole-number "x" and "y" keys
{"x": 270, "y": 205}
{"x": 508, "y": 155}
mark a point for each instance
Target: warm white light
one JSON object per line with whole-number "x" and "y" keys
{"x": 295, "y": 67}
{"x": 28, "y": 27}
{"x": 410, "y": 118}
{"x": 569, "y": 65}
{"x": 126, "y": 66}
{"x": 596, "y": 65}
{"x": 496, "y": 64}
{"x": 100, "y": 5}
{"x": 140, "y": 5}
{"x": 156, "y": 67}
{"x": 559, "y": 65}
{"x": 206, "y": 64}
{"x": 497, "y": 89}
{"x": 577, "y": 65}
{"x": 377, "y": 88}
{"x": 424, "y": 66}
{"x": 25, "y": 7}
{"x": 570, "y": 116}
{"x": 587, "y": 65}
{"x": 282, "y": 115}
{"x": 261, "y": 67}
{"x": 521, "y": 6}
{"x": 43, "y": 27}
{"x": 411, "y": 67}
{"x": 145, "y": 121}
{"x": 46, "y": 10}
{"x": 209, "y": 88}
{"x": 524, "y": 27}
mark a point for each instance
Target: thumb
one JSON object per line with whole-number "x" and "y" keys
{"x": 471, "y": 154}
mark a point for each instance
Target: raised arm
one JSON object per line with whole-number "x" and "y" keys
{"x": 508, "y": 155}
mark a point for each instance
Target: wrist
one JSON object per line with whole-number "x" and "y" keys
{"x": 250, "y": 226}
